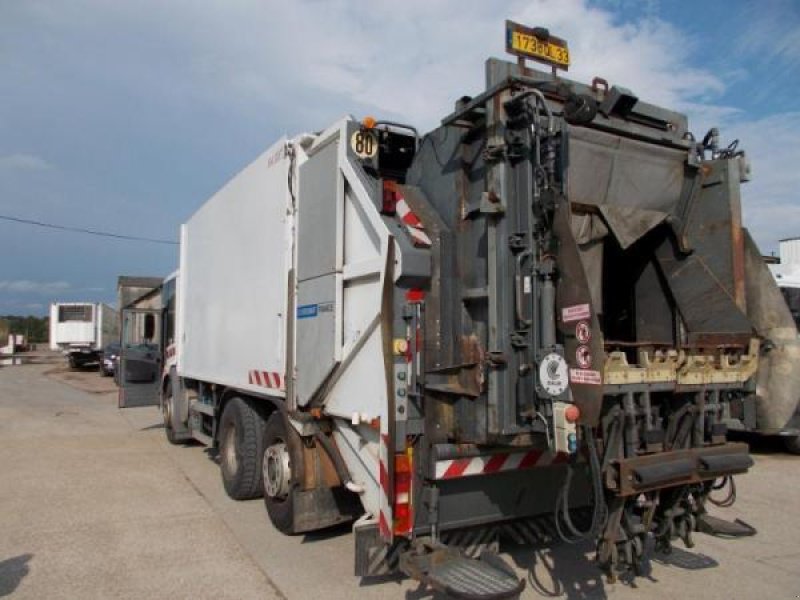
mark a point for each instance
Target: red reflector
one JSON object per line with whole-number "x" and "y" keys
{"x": 403, "y": 508}
{"x": 415, "y": 295}
{"x": 572, "y": 413}
{"x": 390, "y": 197}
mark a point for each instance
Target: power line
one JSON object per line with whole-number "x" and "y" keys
{"x": 118, "y": 236}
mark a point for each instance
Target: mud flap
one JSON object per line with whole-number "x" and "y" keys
{"x": 577, "y": 318}
{"x": 449, "y": 571}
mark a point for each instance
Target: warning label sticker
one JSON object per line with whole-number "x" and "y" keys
{"x": 578, "y": 312}
{"x": 585, "y": 376}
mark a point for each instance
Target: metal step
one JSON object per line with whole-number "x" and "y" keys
{"x": 448, "y": 571}
{"x": 720, "y": 527}
{"x": 202, "y": 437}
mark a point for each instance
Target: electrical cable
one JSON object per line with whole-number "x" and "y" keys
{"x": 728, "y": 500}
{"x": 599, "y": 511}
{"x": 118, "y": 236}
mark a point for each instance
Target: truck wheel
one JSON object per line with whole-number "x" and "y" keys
{"x": 792, "y": 444}
{"x": 241, "y": 450}
{"x": 279, "y": 484}
{"x": 73, "y": 364}
{"x": 168, "y": 409}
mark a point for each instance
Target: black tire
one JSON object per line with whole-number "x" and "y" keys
{"x": 241, "y": 450}
{"x": 167, "y": 409}
{"x": 281, "y": 510}
{"x": 792, "y": 444}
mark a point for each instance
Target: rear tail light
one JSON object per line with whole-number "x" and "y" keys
{"x": 403, "y": 505}
{"x": 390, "y": 198}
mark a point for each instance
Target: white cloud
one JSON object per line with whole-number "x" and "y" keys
{"x": 303, "y": 63}
{"x": 23, "y": 162}
{"x": 414, "y": 59}
{"x": 25, "y": 286}
{"x": 771, "y": 201}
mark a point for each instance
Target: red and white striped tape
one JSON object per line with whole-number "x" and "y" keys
{"x": 385, "y": 507}
{"x": 496, "y": 463}
{"x": 267, "y": 379}
{"x": 413, "y": 225}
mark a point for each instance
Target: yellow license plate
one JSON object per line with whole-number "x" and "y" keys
{"x": 536, "y": 48}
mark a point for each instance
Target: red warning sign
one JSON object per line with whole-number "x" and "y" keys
{"x": 584, "y": 357}
{"x": 583, "y": 332}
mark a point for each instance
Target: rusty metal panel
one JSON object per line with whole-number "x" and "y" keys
{"x": 709, "y": 311}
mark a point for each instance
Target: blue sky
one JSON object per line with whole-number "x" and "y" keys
{"x": 124, "y": 117}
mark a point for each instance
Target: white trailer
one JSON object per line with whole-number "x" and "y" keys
{"x": 82, "y": 329}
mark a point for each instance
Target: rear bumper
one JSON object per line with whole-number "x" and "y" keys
{"x": 633, "y": 476}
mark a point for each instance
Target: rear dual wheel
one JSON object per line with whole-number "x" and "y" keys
{"x": 280, "y": 468}
{"x": 258, "y": 457}
{"x": 241, "y": 449}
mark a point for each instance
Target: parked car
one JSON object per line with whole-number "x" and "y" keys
{"x": 108, "y": 362}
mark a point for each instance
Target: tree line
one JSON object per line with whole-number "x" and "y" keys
{"x": 36, "y": 329}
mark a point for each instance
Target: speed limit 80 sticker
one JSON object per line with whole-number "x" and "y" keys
{"x": 364, "y": 143}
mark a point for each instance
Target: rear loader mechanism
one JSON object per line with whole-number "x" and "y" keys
{"x": 590, "y": 321}
{"x": 653, "y": 434}
{"x": 600, "y": 262}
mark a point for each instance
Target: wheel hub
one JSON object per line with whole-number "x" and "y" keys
{"x": 277, "y": 471}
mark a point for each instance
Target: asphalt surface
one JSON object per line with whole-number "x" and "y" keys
{"x": 94, "y": 503}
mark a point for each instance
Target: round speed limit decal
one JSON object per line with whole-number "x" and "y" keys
{"x": 364, "y": 143}
{"x": 583, "y": 332}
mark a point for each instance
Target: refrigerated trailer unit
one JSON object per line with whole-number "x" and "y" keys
{"x": 81, "y": 330}
{"x": 535, "y": 321}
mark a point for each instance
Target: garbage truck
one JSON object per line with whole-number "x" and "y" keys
{"x": 535, "y": 322}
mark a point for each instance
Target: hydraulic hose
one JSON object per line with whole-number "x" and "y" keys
{"x": 599, "y": 511}
{"x": 730, "y": 499}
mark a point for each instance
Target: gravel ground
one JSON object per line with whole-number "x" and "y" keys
{"x": 94, "y": 503}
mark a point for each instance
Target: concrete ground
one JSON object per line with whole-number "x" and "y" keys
{"x": 94, "y": 503}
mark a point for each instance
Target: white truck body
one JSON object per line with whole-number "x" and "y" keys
{"x": 235, "y": 255}
{"x": 237, "y": 259}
